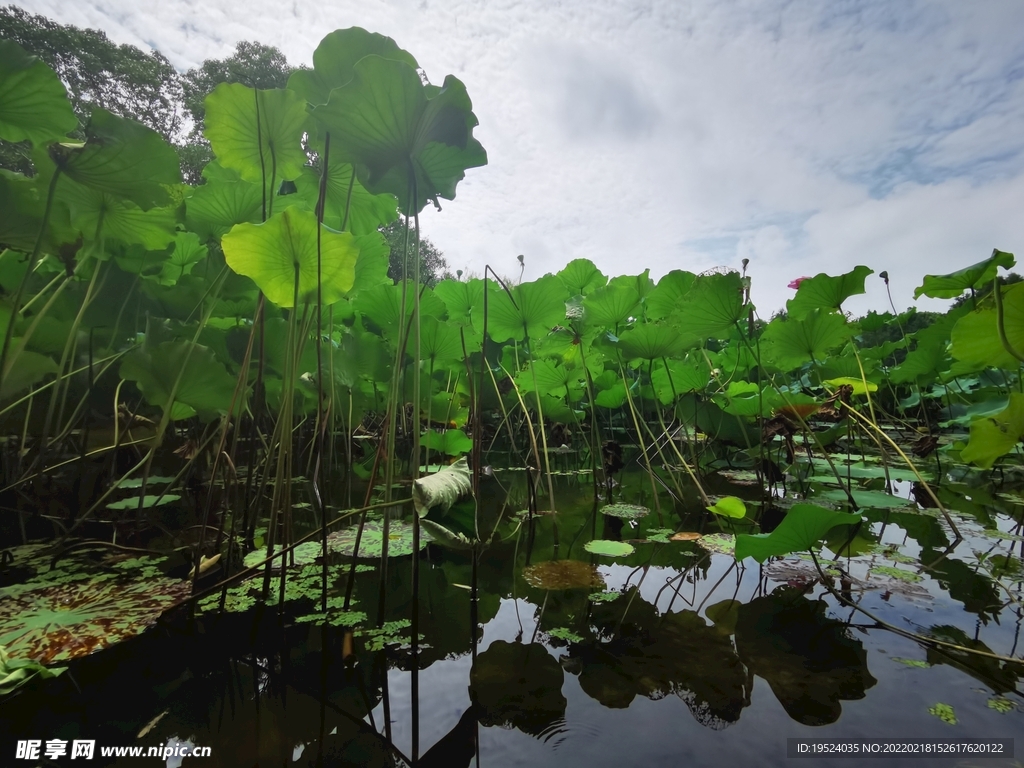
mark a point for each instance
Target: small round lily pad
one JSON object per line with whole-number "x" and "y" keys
{"x": 370, "y": 545}
{"x": 625, "y": 511}
{"x": 720, "y": 543}
{"x": 609, "y": 548}
{"x": 563, "y": 574}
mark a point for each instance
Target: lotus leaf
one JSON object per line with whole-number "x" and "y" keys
{"x": 147, "y": 501}
{"x": 445, "y": 537}
{"x": 371, "y": 544}
{"x": 802, "y": 527}
{"x": 304, "y": 554}
{"x": 452, "y": 442}
{"x": 729, "y": 506}
{"x": 564, "y": 574}
{"x": 33, "y": 103}
{"x": 826, "y": 293}
{"x": 609, "y": 548}
{"x": 712, "y": 306}
{"x": 625, "y": 511}
{"x": 580, "y": 277}
{"x": 667, "y": 297}
{"x": 954, "y": 284}
{"x": 365, "y": 212}
{"x": 442, "y": 489}
{"x": 975, "y": 338}
{"x": 611, "y": 306}
{"x": 789, "y": 343}
{"x": 63, "y": 622}
{"x": 719, "y": 543}
{"x": 538, "y": 307}
{"x": 211, "y": 210}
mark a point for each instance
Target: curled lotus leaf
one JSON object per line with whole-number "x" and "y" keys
{"x": 625, "y": 511}
{"x": 609, "y": 548}
{"x": 66, "y": 621}
{"x": 371, "y": 544}
{"x": 563, "y": 574}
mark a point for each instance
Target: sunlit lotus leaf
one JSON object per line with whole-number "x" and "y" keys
{"x": 439, "y": 342}
{"x": 383, "y": 305}
{"x": 517, "y": 686}
{"x": 452, "y": 442}
{"x": 33, "y": 102}
{"x": 611, "y": 306}
{"x": 826, "y": 293}
{"x": 257, "y": 132}
{"x": 366, "y": 212}
{"x": 789, "y": 343}
{"x": 463, "y": 299}
{"x": 609, "y": 548}
{"x": 975, "y": 337}
{"x": 212, "y": 209}
{"x": 667, "y": 297}
{"x": 125, "y": 159}
{"x": 371, "y": 544}
{"x": 954, "y": 284}
{"x": 996, "y": 435}
{"x": 204, "y": 385}
{"x": 284, "y": 248}
{"x": 102, "y": 216}
{"x": 63, "y": 622}
{"x": 403, "y": 137}
{"x": 712, "y": 306}
{"x": 538, "y": 307}
{"x": 652, "y": 342}
{"x": 810, "y": 661}
{"x": 546, "y": 377}
{"x": 335, "y": 57}
{"x": 801, "y": 529}
{"x": 856, "y": 384}
{"x": 729, "y": 506}
{"x": 187, "y": 252}
{"x": 581, "y": 278}
{"x": 563, "y": 574}
{"x": 443, "y": 488}
{"x": 642, "y": 283}
{"x": 680, "y": 377}
{"x": 625, "y": 511}
{"x": 718, "y": 543}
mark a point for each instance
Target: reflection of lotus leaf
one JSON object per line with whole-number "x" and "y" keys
{"x": 65, "y": 621}
{"x": 625, "y": 511}
{"x": 563, "y": 574}
{"x": 517, "y": 686}
{"x": 721, "y": 543}
{"x": 809, "y": 660}
{"x": 399, "y": 539}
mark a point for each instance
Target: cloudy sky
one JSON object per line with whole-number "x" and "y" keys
{"x": 805, "y": 136}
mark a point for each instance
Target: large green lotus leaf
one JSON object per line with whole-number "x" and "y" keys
{"x": 66, "y": 621}
{"x": 372, "y": 264}
{"x": 443, "y": 488}
{"x": 451, "y": 442}
{"x": 439, "y": 342}
{"x": 563, "y": 574}
{"x": 789, "y": 343}
{"x": 186, "y": 254}
{"x": 997, "y": 435}
{"x": 21, "y": 210}
{"x": 652, "y": 342}
{"x": 205, "y": 386}
{"x": 611, "y": 305}
{"x": 954, "y": 284}
{"x": 211, "y": 210}
{"x": 366, "y": 212}
{"x": 712, "y": 306}
{"x": 102, "y": 216}
{"x": 538, "y": 307}
{"x": 611, "y": 392}
{"x": 401, "y": 134}
{"x": 383, "y": 305}
{"x": 33, "y": 103}
{"x": 743, "y": 398}
{"x": 975, "y": 337}
{"x": 125, "y": 159}
{"x": 335, "y": 57}
{"x": 23, "y": 371}
{"x": 802, "y": 527}
{"x": 358, "y": 355}
{"x": 371, "y": 544}
{"x": 515, "y": 685}
{"x": 257, "y": 132}
{"x": 667, "y": 297}
{"x": 546, "y": 377}
{"x": 580, "y": 277}
{"x": 826, "y": 292}
{"x": 276, "y": 352}
{"x": 464, "y": 300}
{"x": 284, "y": 247}
{"x": 642, "y": 283}
{"x": 680, "y": 377}
{"x": 930, "y": 354}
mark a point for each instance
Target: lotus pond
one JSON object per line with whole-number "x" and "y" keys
{"x": 260, "y": 497}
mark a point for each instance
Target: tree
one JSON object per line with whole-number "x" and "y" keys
{"x": 433, "y": 265}
{"x": 983, "y": 291}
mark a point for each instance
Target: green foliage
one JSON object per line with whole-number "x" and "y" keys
{"x": 996, "y": 435}
{"x": 826, "y": 293}
{"x": 33, "y": 102}
{"x": 944, "y": 712}
{"x": 729, "y": 506}
{"x": 608, "y": 548}
{"x": 802, "y": 527}
{"x": 952, "y": 285}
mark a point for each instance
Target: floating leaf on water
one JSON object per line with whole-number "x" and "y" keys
{"x": 917, "y": 663}
{"x": 1001, "y": 704}
{"x": 729, "y": 506}
{"x": 897, "y": 573}
{"x": 876, "y": 499}
{"x": 944, "y": 712}
{"x": 66, "y": 621}
{"x": 996, "y": 534}
{"x": 609, "y": 548}
{"x": 370, "y": 546}
{"x": 685, "y": 536}
{"x": 147, "y": 501}
{"x": 625, "y": 511}
{"x": 304, "y": 554}
{"x": 136, "y": 482}
{"x": 659, "y": 535}
{"x": 565, "y": 634}
{"x": 564, "y": 574}
{"x": 719, "y": 543}
{"x": 603, "y": 597}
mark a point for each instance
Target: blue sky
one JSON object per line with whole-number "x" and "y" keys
{"x": 805, "y": 136}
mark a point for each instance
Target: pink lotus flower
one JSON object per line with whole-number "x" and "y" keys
{"x": 796, "y": 283}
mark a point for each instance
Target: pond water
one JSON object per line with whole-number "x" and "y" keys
{"x": 673, "y": 655}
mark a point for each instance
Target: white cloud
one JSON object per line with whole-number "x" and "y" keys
{"x": 805, "y": 136}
